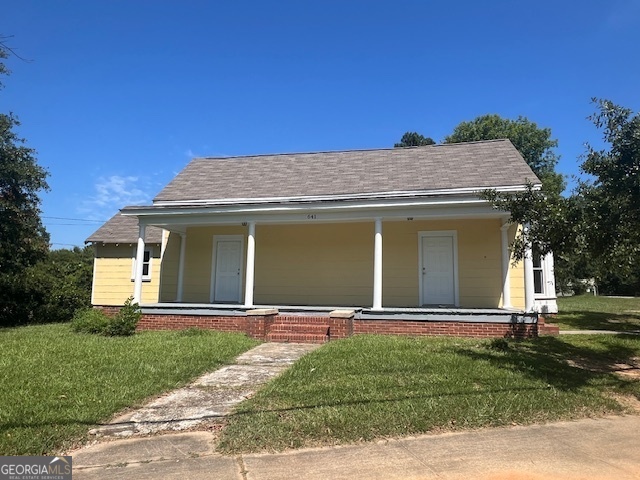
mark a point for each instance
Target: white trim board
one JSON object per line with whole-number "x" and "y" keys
{"x": 347, "y": 196}
{"x": 175, "y": 219}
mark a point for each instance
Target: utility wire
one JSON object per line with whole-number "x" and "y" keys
{"x": 70, "y": 224}
{"x": 75, "y": 219}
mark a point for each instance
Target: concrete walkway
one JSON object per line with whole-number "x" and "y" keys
{"x": 210, "y": 397}
{"x": 598, "y": 332}
{"x": 586, "y": 449}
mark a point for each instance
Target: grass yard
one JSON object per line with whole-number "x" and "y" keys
{"x": 586, "y": 312}
{"x": 368, "y": 387}
{"x": 57, "y": 384}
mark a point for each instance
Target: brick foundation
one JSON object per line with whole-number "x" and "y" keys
{"x": 179, "y": 322}
{"x": 457, "y": 329}
{"x": 260, "y": 326}
{"x": 547, "y": 329}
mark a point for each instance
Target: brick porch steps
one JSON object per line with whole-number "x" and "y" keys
{"x": 297, "y": 338}
{"x": 298, "y": 333}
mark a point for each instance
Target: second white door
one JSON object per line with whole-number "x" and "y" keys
{"x": 438, "y": 270}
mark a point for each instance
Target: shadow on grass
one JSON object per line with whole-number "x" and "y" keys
{"x": 585, "y": 320}
{"x": 560, "y": 364}
{"x": 324, "y": 404}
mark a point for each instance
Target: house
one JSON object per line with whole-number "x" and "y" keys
{"x": 387, "y": 240}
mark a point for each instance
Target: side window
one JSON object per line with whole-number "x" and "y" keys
{"x": 146, "y": 264}
{"x": 538, "y": 273}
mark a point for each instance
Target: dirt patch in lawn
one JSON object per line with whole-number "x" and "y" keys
{"x": 630, "y": 402}
{"x": 629, "y": 369}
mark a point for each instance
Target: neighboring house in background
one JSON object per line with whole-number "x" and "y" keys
{"x": 393, "y": 235}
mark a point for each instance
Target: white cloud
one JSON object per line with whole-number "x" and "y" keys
{"x": 114, "y": 192}
{"x": 210, "y": 153}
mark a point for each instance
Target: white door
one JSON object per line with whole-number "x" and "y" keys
{"x": 438, "y": 267}
{"x": 228, "y": 269}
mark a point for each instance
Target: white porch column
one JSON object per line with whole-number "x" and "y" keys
{"x": 529, "y": 291}
{"x": 549, "y": 275}
{"x": 506, "y": 258}
{"x": 251, "y": 260}
{"x": 181, "y": 259}
{"x": 137, "y": 283}
{"x": 377, "y": 266}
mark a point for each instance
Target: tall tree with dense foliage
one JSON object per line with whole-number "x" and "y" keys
{"x": 23, "y": 239}
{"x": 414, "y": 139}
{"x": 535, "y": 144}
{"x": 60, "y": 284}
{"x": 548, "y": 215}
{"x": 611, "y": 196}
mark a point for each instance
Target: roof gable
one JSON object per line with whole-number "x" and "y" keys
{"x": 123, "y": 229}
{"x": 481, "y": 165}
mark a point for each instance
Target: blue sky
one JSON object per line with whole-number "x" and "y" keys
{"x": 118, "y": 95}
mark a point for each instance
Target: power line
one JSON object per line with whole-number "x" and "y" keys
{"x": 69, "y": 224}
{"x": 75, "y": 219}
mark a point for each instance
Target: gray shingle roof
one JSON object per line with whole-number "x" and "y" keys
{"x": 485, "y": 164}
{"x": 121, "y": 229}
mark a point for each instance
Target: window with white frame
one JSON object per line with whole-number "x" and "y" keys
{"x": 146, "y": 264}
{"x": 538, "y": 273}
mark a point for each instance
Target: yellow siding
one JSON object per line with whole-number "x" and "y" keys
{"x": 198, "y": 257}
{"x": 332, "y": 264}
{"x": 479, "y": 261}
{"x": 318, "y": 264}
{"x": 112, "y": 275}
{"x": 169, "y": 273}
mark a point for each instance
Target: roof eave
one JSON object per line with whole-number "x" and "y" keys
{"x": 371, "y": 203}
{"x": 339, "y": 197}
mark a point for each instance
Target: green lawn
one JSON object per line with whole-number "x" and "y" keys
{"x": 368, "y": 387}
{"x": 55, "y": 384}
{"x": 586, "y": 312}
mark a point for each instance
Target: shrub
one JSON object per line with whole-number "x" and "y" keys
{"x": 90, "y": 320}
{"x": 125, "y": 321}
{"x": 95, "y": 321}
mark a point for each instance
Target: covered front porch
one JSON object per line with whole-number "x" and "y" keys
{"x": 454, "y": 257}
{"x": 427, "y": 266}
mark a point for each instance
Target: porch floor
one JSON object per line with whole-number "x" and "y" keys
{"x": 426, "y": 313}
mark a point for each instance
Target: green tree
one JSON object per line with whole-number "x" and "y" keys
{"x": 414, "y": 139}
{"x": 60, "y": 284}
{"x": 534, "y": 144}
{"x": 551, "y": 221}
{"x": 547, "y": 214}
{"x": 611, "y": 196}
{"x": 23, "y": 239}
